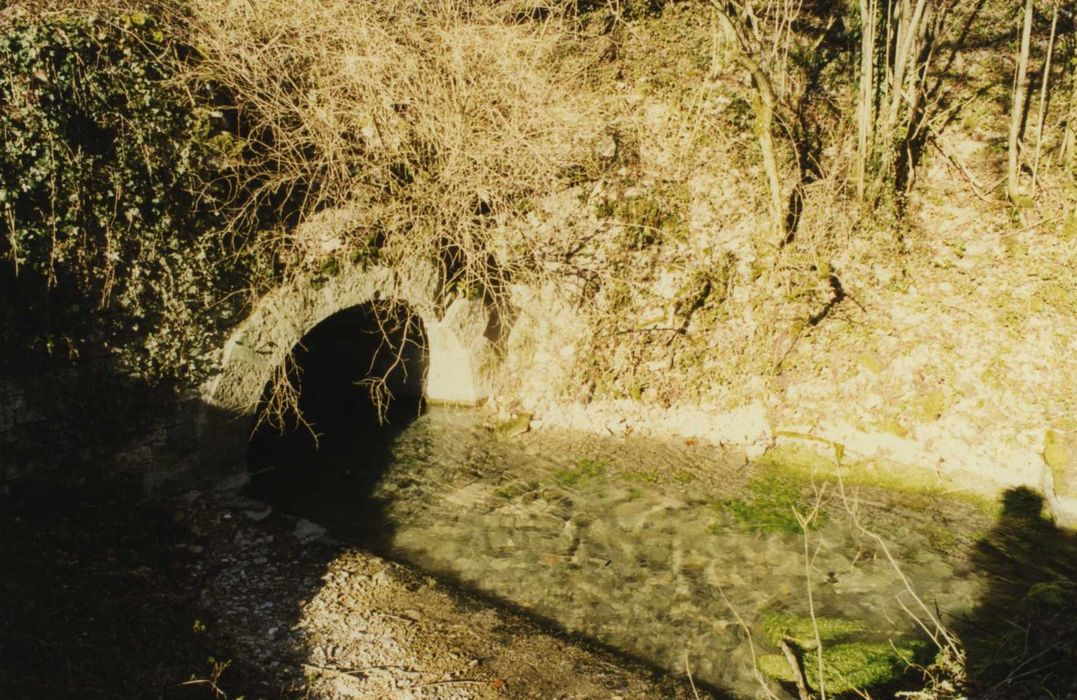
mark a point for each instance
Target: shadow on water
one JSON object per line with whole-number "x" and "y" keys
{"x": 1021, "y": 639}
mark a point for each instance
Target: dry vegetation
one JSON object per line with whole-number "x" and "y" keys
{"x": 732, "y": 193}
{"x": 404, "y": 130}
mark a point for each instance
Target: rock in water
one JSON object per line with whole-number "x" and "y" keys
{"x": 517, "y": 425}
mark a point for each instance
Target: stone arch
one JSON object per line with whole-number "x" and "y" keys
{"x": 460, "y": 358}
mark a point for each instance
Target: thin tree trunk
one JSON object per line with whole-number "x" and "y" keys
{"x": 908, "y": 31}
{"x": 765, "y": 112}
{"x": 865, "y": 136}
{"x": 904, "y": 33}
{"x": 1020, "y": 91}
{"x": 1043, "y": 99}
{"x": 1069, "y": 141}
{"x": 765, "y": 126}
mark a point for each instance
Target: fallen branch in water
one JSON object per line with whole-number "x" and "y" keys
{"x": 798, "y": 674}
{"x": 751, "y": 646}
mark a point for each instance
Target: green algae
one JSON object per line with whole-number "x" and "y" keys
{"x": 583, "y": 471}
{"x": 850, "y": 666}
{"x": 800, "y": 630}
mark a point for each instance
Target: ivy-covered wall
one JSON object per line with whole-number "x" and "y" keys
{"x": 114, "y": 190}
{"x": 120, "y": 264}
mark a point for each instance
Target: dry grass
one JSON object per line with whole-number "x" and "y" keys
{"x": 398, "y": 131}
{"x": 434, "y": 122}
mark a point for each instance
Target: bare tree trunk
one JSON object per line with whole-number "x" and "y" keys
{"x": 765, "y": 112}
{"x": 1020, "y": 92}
{"x": 865, "y": 117}
{"x": 765, "y": 126}
{"x": 1043, "y": 99}
{"x": 906, "y": 26}
{"x": 1069, "y": 141}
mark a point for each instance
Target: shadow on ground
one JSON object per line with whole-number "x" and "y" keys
{"x": 102, "y": 590}
{"x": 1021, "y": 639}
{"x": 92, "y": 600}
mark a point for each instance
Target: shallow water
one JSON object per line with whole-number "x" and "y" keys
{"x": 653, "y": 548}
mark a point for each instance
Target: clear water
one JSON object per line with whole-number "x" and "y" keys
{"x": 645, "y": 546}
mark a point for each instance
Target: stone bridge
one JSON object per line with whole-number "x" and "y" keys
{"x": 460, "y": 356}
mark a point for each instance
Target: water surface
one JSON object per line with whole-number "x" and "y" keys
{"x": 646, "y": 546}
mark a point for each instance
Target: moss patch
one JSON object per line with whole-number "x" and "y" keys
{"x": 782, "y": 625}
{"x": 768, "y": 505}
{"x": 517, "y": 425}
{"x": 805, "y": 462}
{"x": 514, "y": 489}
{"x": 583, "y": 471}
{"x": 641, "y": 477}
{"x": 852, "y": 666}
{"x": 1058, "y": 453}
{"x": 1047, "y": 597}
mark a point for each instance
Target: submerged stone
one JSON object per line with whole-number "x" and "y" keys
{"x": 305, "y": 531}
{"x": 517, "y": 425}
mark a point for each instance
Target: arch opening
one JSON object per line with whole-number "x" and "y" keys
{"x": 327, "y": 417}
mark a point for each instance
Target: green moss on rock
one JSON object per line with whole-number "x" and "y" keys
{"x": 847, "y": 667}
{"x": 583, "y": 471}
{"x": 782, "y": 625}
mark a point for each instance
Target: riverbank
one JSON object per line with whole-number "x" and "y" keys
{"x": 212, "y": 595}
{"x": 946, "y": 362}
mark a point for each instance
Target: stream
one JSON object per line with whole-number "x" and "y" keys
{"x": 662, "y": 550}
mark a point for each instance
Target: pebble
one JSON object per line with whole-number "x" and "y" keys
{"x": 305, "y": 531}
{"x": 259, "y": 515}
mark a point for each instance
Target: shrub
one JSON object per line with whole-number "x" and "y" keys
{"x": 434, "y": 124}
{"x": 111, "y": 191}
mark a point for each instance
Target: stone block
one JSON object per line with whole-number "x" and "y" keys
{"x": 460, "y": 362}
{"x": 1060, "y": 456}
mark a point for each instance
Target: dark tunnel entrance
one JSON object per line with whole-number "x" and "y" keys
{"x": 353, "y": 382}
